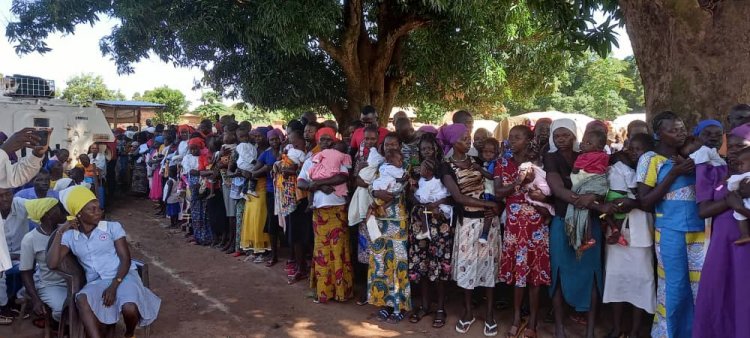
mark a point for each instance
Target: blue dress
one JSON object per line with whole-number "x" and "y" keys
{"x": 97, "y": 254}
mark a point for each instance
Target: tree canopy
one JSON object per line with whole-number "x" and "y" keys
{"x": 594, "y": 86}
{"x": 341, "y": 55}
{"x": 173, "y": 99}
{"x": 84, "y": 88}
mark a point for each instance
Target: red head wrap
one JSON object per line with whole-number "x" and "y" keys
{"x": 325, "y": 131}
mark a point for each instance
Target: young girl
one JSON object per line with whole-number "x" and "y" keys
{"x": 430, "y": 190}
{"x": 247, "y": 153}
{"x": 490, "y": 152}
{"x": 172, "y": 197}
{"x": 589, "y": 177}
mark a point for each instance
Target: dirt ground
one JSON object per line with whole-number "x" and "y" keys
{"x": 209, "y": 294}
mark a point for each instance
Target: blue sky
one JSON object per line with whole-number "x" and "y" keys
{"x": 79, "y": 53}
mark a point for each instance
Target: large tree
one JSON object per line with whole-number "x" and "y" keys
{"x": 338, "y": 54}
{"x": 84, "y": 88}
{"x": 173, "y": 99}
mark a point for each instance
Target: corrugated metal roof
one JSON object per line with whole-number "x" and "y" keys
{"x": 129, "y": 104}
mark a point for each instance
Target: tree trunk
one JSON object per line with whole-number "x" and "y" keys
{"x": 692, "y": 55}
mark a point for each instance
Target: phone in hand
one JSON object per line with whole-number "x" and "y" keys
{"x": 43, "y": 134}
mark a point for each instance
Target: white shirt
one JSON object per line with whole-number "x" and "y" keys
{"x": 189, "y": 162}
{"x": 11, "y": 176}
{"x": 34, "y": 253}
{"x": 247, "y": 154}
{"x": 387, "y": 179}
{"x": 16, "y": 225}
{"x": 101, "y": 163}
{"x": 433, "y": 190}
{"x": 321, "y": 199}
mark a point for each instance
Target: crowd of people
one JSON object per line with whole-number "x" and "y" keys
{"x": 370, "y": 215}
{"x": 49, "y": 211}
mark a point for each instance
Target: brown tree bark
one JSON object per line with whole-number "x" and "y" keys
{"x": 693, "y": 55}
{"x": 372, "y": 67}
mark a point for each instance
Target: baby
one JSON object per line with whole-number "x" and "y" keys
{"x": 247, "y": 155}
{"x": 430, "y": 190}
{"x": 589, "y": 177}
{"x": 328, "y": 163}
{"x": 391, "y": 177}
{"x": 536, "y": 179}
{"x": 733, "y": 184}
{"x": 622, "y": 183}
{"x": 489, "y": 152}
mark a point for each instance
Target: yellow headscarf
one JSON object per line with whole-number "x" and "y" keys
{"x": 38, "y": 207}
{"x": 75, "y": 198}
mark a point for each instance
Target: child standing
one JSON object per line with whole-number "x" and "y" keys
{"x": 172, "y": 197}
{"x": 430, "y": 190}
{"x": 589, "y": 177}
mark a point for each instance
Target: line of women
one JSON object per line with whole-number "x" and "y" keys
{"x": 497, "y": 226}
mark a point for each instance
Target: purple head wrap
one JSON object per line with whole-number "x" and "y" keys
{"x": 275, "y": 133}
{"x": 428, "y": 129}
{"x": 448, "y": 135}
{"x": 263, "y": 131}
{"x": 742, "y": 131}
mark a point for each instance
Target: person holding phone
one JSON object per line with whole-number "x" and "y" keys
{"x": 113, "y": 286}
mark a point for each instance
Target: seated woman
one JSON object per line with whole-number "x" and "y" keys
{"x": 113, "y": 285}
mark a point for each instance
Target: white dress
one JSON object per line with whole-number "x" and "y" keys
{"x": 629, "y": 273}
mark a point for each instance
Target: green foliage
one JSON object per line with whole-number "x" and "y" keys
{"x": 302, "y": 54}
{"x": 598, "y": 87}
{"x": 173, "y": 99}
{"x": 84, "y": 88}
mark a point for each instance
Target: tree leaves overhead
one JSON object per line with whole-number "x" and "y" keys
{"x": 269, "y": 52}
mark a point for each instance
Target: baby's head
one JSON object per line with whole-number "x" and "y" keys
{"x": 490, "y": 149}
{"x": 593, "y": 140}
{"x": 394, "y": 157}
{"x": 296, "y": 139}
{"x": 692, "y": 144}
{"x": 638, "y": 145}
{"x": 427, "y": 169}
{"x": 340, "y": 146}
{"x": 744, "y": 159}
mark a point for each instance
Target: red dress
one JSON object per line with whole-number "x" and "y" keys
{"x": 525, "y": 253}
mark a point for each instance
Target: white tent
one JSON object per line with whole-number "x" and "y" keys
{"x": 622, "y": 121}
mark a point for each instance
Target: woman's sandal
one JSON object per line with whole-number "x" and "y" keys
{"x": 383, "y": 315}
{"x": 417, "y": 315}
{"x": 395, "y": 318}
{"x": 490, "y": 330}
{"x": 463, "y": 327}
{"x": 271, "y": 262}
{"x": 362, "y": 302}
{"x": 529, "y": 333}
{"x": 296, "y": 278}
{"x": 440, "y": 317}
{"x": 512, "y": 332}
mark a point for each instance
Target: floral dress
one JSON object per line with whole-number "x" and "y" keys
{"x": 525, "y": 249}
{"x": 430, "y": 259}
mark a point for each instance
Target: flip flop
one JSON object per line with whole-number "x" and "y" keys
{"x": 529, "y": 333}
{"x": 463, "y": 327}
{"x": 395, "y": 318}
{"x": 490, "y": 330}
{"x": 271, "y": 262}
{"x": 383, "y": 315}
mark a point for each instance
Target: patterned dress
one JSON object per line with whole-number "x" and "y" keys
{"x": 474, "y": 264}
{"x": 680, "y": 248}
{"x": 388, "y": 280}
{"x": 332, "y": 274}
{"x": 525, "y": 258}
{"x": 198, "y": 219}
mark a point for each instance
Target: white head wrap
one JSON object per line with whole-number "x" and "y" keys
{"x": 562, "y": 123}
{"x": 62, "y": 184}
